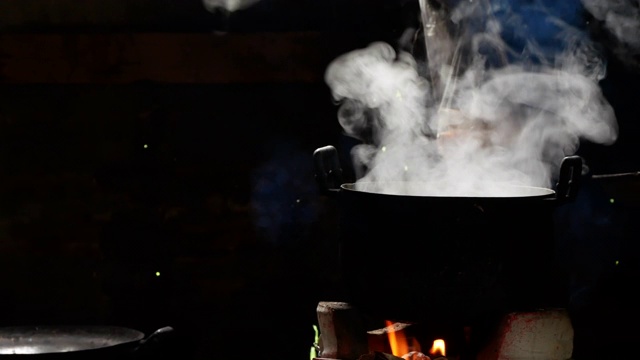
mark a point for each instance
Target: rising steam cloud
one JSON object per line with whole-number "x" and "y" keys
{"x": 621, "y": 20}
{"x": 508, "y": 110}
{"x": 227, "y": 5}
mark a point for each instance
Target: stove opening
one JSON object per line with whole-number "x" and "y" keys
{"x": 346, "y": 333}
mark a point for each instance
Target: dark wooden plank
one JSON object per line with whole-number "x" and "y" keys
{"x": 218, "y": 58}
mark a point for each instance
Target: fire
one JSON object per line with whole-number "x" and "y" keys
{"x": 438, "y": 348}
{"x": 409, "y": 348}
{"x": 397, "y": 340}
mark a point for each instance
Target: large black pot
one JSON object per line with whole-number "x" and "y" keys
{"x": 447, "y": 258}
{"x": 81, "y": 342}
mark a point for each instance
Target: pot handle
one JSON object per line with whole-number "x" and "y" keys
{"x": 328, "y": 170}
{"x": 154, "y": 342}
{"x": 569, "y": 179}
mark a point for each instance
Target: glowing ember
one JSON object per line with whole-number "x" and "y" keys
{"x": 416, "y": 355}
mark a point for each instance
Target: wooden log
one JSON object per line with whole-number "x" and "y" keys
{"x": 342, "y": 334}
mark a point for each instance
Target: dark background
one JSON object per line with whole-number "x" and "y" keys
{"x": 115, "y": 173}
{"x": 221, "y": 202}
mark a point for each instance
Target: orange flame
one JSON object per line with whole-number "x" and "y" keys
{"x": 438, "y": 348}
{"x": 397, "y": 340}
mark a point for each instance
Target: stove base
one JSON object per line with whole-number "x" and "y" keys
{"x": 534, "y": 335}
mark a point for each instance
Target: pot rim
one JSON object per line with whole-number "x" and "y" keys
{"x": 392, "y": 189}
{"x": 64, "y": 339}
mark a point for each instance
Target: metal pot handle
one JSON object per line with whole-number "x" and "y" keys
{"x": 569, "y": 179}
{"x": 155, "y": 342}
{"x": 328, "y": 170}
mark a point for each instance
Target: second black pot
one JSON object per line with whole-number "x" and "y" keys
{"x": 81, "y": 342}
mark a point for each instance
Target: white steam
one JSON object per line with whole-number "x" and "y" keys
{"x": 227, "y": 5}
{"x": 621, "y": 19}
{"x": 507, "y": 116}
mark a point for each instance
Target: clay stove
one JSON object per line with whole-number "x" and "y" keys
{"x": 347, "y": 334}
{"x": 494, "y": 299}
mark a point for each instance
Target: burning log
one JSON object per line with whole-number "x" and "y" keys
{"x": 378, "y": 339}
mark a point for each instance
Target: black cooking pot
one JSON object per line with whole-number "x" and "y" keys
{"x": 439, "y": 258}
{"x": 80, "y": 342}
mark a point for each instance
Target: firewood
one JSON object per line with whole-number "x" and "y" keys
{"x": 378, "y": 339}
{"x": 342, "y": 333}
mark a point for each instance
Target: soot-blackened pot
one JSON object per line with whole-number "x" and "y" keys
{"x": 413, "y": 255}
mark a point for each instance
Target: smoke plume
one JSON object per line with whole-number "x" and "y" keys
{"x": 517, "y": 93}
